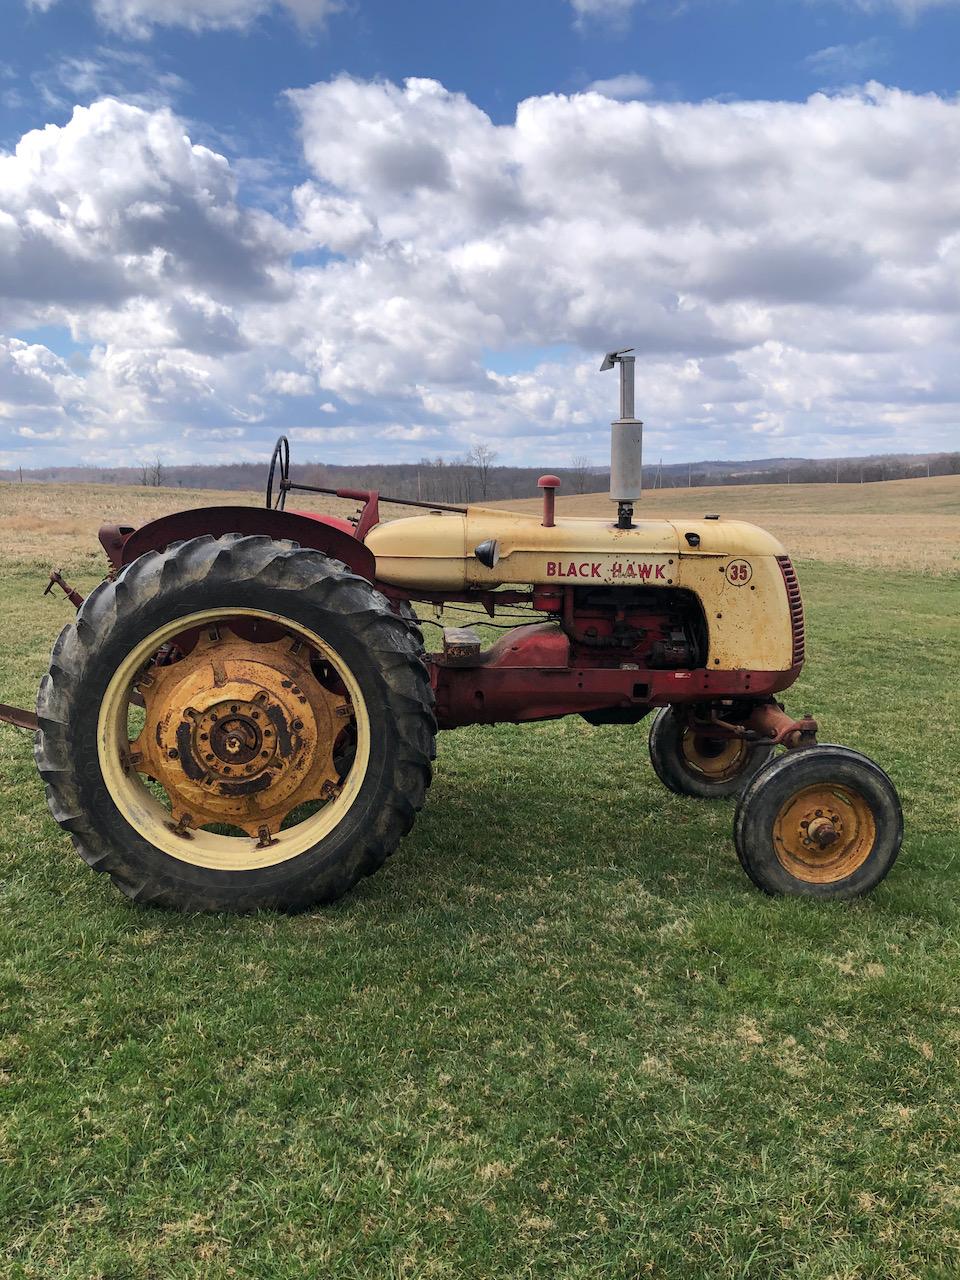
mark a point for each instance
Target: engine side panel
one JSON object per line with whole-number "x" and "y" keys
{"x": 730, "y": 566}
{"x": 747, "y": 611}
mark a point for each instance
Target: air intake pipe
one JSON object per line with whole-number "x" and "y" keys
{"x": 626, "y": 441}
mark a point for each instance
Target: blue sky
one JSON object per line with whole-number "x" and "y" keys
{"x": 498, "y": 53}
{"x": 395, "y": 229}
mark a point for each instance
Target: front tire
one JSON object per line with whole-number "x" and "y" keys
{"x": 286, "y": 742}
{"x": 693, "y": 764}
{"x": 821, "y": 823}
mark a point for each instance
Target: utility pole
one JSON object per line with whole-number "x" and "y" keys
{"x": 689, "y": 475}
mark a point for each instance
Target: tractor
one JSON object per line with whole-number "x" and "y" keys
{"x": 243, "y": 714}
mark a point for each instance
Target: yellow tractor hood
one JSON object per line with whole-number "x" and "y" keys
{"x": 438, "y": 551}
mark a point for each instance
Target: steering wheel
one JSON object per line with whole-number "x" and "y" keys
{"x": 281, "y": 454}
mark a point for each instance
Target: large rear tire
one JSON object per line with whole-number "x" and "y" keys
{"x": 285, "y": 741}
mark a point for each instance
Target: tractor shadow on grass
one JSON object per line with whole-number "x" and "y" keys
{"x": 513, "y": 804}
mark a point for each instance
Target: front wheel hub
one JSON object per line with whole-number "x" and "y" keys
{"x": 824, "y": 833}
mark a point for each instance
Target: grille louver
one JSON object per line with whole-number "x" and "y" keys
{"x": 796, "y": 607}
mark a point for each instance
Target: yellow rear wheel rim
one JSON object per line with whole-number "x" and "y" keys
{"x": 321, "y": 712}
{"x": 824, "y": 833}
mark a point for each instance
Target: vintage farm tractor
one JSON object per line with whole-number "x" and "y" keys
{"x": 244, "y": 715}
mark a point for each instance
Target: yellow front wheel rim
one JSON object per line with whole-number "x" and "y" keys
{"x": 717, "y": 759}
{"x": 824, "y": 833}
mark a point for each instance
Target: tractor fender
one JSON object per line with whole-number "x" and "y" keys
{"x": 316, "y": 532}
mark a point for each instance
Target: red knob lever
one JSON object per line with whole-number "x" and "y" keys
{"x": 549, "y": 485}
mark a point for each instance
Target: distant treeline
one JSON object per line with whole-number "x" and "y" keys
{"x": 477, "y": 478}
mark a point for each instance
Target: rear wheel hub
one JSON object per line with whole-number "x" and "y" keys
{"x": 240, "y": 733}
{"x": 234, "y": 737}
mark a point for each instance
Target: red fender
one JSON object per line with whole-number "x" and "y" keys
{"x": 321, "y": 533}
{"x": 335, "y": 522}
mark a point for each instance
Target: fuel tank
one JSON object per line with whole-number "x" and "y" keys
{"x": 735, "y": 569}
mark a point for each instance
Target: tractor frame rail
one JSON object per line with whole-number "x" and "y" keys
{"x": 19, "y": 718}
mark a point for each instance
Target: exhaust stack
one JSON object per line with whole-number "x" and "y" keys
{"x": 626, "y": 442}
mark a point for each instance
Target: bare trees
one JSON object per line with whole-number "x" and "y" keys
{"x": 462, "y": 479}
{"x": 580, "y": 469}
{"x": 152, "y": 474}
{"x": 457, "y": 479}
{"x": 481, "y": 457}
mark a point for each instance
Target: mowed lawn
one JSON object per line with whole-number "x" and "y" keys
{"x": 559, "y": 1035}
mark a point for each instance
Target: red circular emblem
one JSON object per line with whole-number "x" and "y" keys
{"x": 739, "y": 572}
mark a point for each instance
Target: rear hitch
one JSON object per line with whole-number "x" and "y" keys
{"x": 18, "y": 716}
{"x": 57, "y": 580}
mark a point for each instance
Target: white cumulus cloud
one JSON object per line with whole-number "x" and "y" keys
{"x": 603, "y": 10}
{"x": 907, "y": 8}
{"x": 693, "y": 231}
{"x": 138, "y": 18}
{"x": 617, "y": 11}
{"x": 789, "y": 273}
{"x": 849, "y": 61}
{"x": 623, "y": 87}
{"x": 119, "y": 202}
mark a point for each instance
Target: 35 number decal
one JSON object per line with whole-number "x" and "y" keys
{"x": 739, "y": 572}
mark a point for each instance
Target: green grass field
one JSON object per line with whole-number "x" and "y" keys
{"x": 560, "y": 1035}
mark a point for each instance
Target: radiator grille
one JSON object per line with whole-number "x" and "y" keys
{"x": 796, "y": 607}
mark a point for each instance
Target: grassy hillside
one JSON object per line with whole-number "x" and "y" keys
{"x": 939, "y": 495}
{"x": 57, "y": 523}
{"x": 908, "y": 525}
